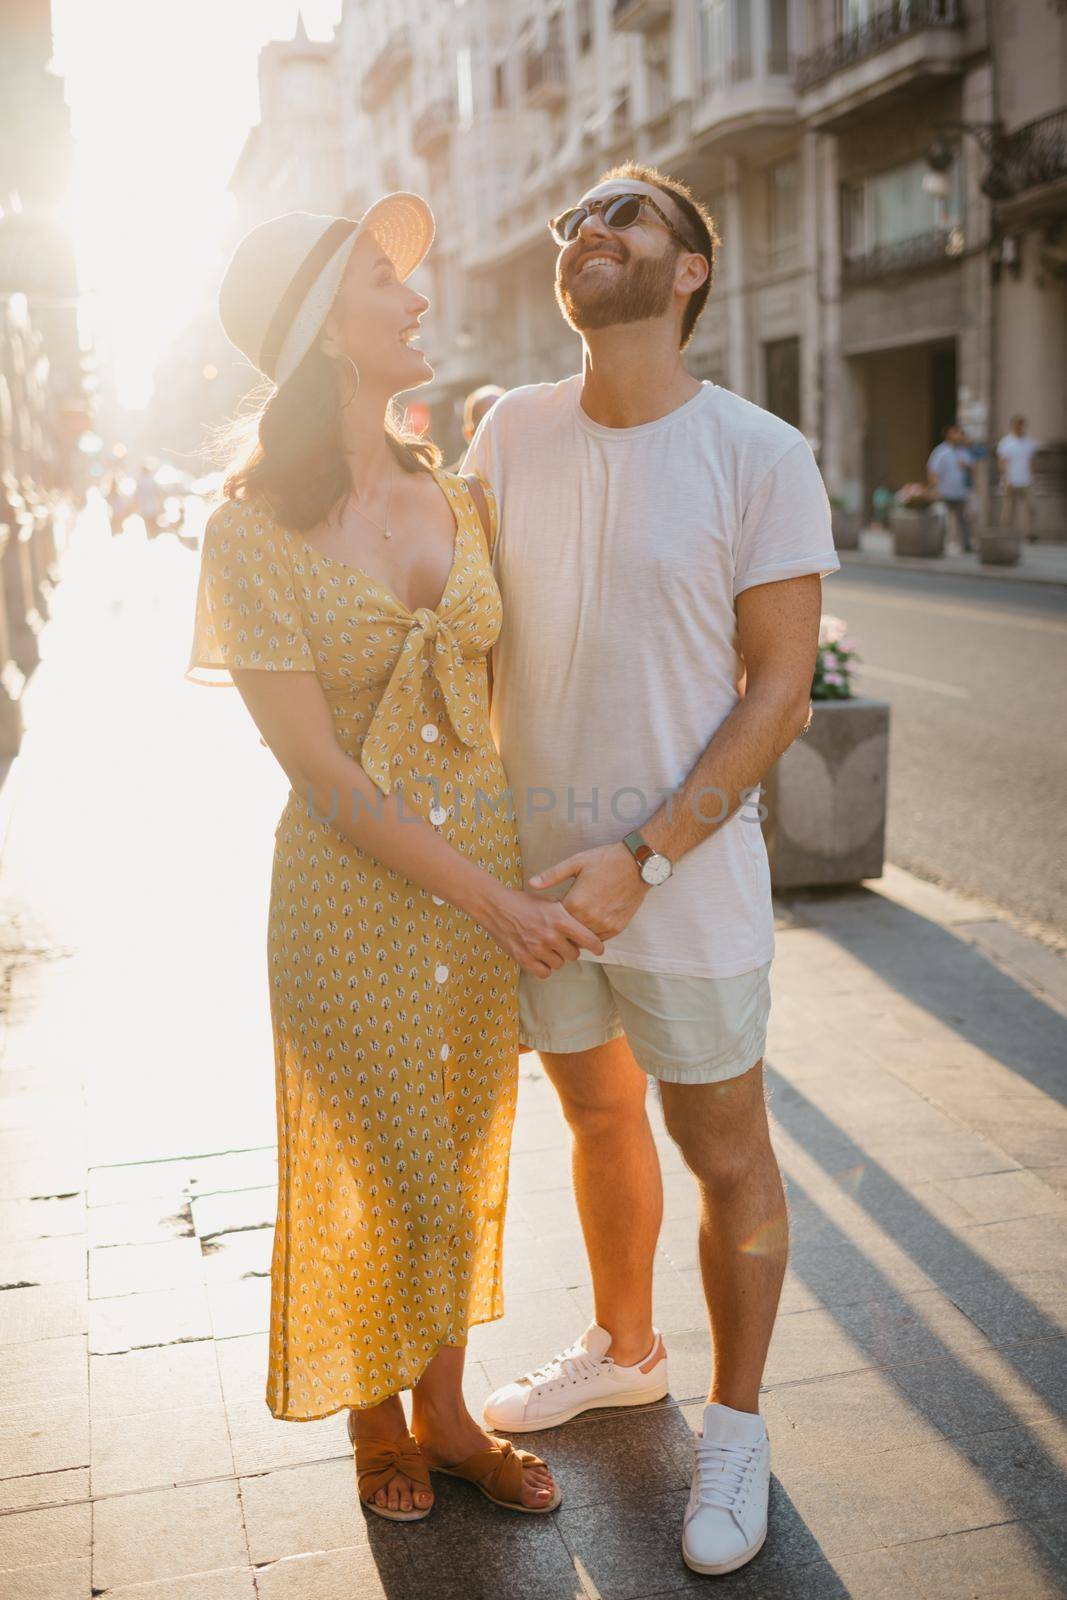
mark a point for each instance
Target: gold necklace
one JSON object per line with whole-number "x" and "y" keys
{"x": 386, "y": 530}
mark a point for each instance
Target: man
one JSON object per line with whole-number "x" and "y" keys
{"x": 949, "y": 474}
{"x": 661, "y": 542}
{"x": 477, "y": 405}
{"x": 1015, "y": 452}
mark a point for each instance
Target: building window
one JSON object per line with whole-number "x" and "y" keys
{"x": 781, "y": 379}
{"x": 583, "y": 18}
{"x": 783, "y": 210}
{"x": 778, "y": 43}
{"x": 894, "y": 210}
{"x": 724, "y": 39}
{"x": 464, "y": 86}
{"x": 714, "y": 37}
{"x": 741, "y": 63}
{"x": 500, "y": 87}
{"x": 659, "y": 78}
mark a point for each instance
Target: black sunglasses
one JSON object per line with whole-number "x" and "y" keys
{"x": 619, "y": 211}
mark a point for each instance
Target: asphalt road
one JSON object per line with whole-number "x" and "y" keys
{"x": 975, "y": 671}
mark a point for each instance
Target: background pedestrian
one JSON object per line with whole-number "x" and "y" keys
{"x": 1015, "y": 454}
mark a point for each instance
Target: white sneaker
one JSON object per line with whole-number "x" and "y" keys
{"x": 579, "y": 1379}
{"x": 726, "y": 1518}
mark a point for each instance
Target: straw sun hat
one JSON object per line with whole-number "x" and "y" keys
{"x": 278, "y": 288}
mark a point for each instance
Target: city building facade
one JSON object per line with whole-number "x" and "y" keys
{"x": 292, "y": 157}
{"x": 941, "y": 211}
{"x": 43, "y": 401}
{"x": 889, "y": 182}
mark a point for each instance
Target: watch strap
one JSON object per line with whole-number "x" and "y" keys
{"x": 638, "y": 847}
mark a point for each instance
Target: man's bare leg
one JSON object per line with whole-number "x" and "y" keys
{"x": 721, "y": 1130}
{"x": 617, "y": 1185}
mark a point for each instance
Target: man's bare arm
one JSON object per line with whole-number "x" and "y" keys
{"x": 778, "y": 632}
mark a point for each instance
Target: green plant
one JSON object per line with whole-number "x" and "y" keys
{"x": 835, "y": 661}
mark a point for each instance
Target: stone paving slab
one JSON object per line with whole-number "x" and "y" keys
{"x": 917, "y": 1384}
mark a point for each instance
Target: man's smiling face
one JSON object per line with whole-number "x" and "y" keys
{"x": 605, "y": 278}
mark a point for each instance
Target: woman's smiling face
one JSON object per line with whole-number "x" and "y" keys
{"x": 375, "y": 319}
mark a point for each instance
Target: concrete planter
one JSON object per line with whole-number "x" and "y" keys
{"x": 846, "y": 526}
{"x": 826, "y": 798}
{"x": 916, "y": 532}
{"x": 997, "y": 547}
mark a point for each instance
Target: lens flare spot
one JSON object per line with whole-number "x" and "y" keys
{"x": 768, "y": 1240}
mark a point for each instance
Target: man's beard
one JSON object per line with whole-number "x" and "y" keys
{"x": 640, "y": 290}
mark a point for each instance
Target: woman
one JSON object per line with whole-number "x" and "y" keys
{"x": 346, "y": 587}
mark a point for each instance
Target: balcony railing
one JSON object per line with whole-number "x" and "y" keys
{"x": 884, "y": 28}
{"x": 935, "y": 248}
{"x": 546, "y": 76}
{"x": 387, "y": 68}
{"x": 1033, "y": 155}
{"x": 433, "y": 126}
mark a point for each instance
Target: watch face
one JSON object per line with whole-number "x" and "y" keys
{"x": 657, "y": 869}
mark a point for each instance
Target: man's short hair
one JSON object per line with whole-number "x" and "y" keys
{"x": 701, "y": 223}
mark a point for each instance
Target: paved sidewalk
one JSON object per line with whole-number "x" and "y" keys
{"x": 916, "y": 1388}
{"x": 1039, "y": 563}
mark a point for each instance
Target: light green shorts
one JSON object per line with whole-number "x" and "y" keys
{"x": 680, "y": 1030}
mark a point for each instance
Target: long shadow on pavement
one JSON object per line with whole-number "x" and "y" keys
{"x": 951, "y": 979}
{"x": 885, "y": 1324}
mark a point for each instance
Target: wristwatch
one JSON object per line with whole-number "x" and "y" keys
{"x": 653, "y": 867}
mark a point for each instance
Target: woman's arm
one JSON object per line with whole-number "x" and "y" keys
{"x": 291, "y": 712}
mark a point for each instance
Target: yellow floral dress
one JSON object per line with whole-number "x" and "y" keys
{"x": 395, "y": 1017}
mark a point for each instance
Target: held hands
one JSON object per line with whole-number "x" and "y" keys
{"x": 543, "y": 934}
{"x": 608, "y": 889}
{"x": 539, "y": 934}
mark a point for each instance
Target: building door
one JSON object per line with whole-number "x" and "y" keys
{"x": 781, "y": 379}
{"x": 944, "y": 399}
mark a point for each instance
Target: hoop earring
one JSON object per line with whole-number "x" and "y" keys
{"x": 355, "y": 372}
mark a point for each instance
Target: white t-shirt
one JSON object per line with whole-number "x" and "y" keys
{"x": 620, "y": 554}
{"x": 1017, "y": 454}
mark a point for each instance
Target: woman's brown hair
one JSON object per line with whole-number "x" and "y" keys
{"x": 289, "y": 450}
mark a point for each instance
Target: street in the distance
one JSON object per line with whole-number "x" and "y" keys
{"x": 976, "y": 674}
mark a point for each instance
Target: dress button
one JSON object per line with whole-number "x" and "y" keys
{"x": 430, "y": 732}
{"x": 438, "y": 815}
{"x": 440, "y": 973}
{"x": 445, "y": 1052}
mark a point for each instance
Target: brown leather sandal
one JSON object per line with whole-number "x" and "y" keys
{"x": 497, "y": 1473}
{"x": 378, "y": 1461}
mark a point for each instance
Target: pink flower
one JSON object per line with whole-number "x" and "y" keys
{"x": 831, "y": 629}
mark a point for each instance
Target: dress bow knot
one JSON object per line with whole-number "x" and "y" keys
{"x": 428, "y": 635}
